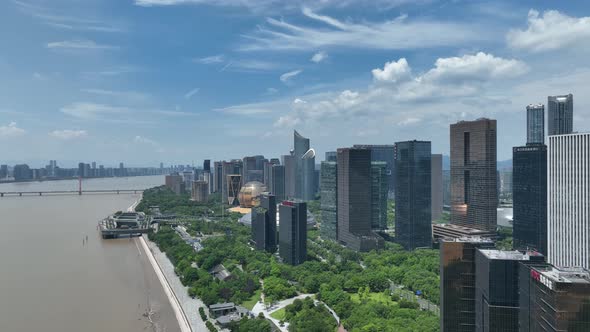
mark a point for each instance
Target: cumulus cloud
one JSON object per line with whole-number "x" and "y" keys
{"x": 550, "y": 31}
{"x": 287, "y": 77}
{"x": 319, "y": 57}
{"x": 450, "y": 79}
{"x": 392, "y": 71}
{"x": 11, "y": 130}
{"x": 68, "y": 134}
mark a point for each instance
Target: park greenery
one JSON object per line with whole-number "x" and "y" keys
{"x": 305, "y": 315}
{"x": 341, "y": 278}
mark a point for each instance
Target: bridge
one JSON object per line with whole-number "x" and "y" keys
{"x": 70, "y": 192}
{"x": 80, "y": 191}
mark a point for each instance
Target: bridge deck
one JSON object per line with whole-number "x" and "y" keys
{"x": 70, "y": 192}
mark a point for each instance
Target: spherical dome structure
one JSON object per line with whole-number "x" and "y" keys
{"x": 250, "y": 194}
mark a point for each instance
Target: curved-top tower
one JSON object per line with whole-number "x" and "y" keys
{"x": 304, "y": 167}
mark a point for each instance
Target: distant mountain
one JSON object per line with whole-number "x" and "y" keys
{"x": 503, "y": 164}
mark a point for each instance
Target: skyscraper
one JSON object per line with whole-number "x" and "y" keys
{"x": 568, "y": 200}
{"x": 264, "y": 224}
{"x": 253, "y": 168}
{"x": 496, "y": 288}
{"x": 304, "y": 161}
{"x": 529, "y": 195}
{"x": 457, "y": 283}
{"x": 207, "y": 165}
{"x": 560, "y": 118}
{"x": 379, "y": 194}
{"x": 293, "y": 232}
{"x": 218, "y": 176}
{"x": 474, "y": 195}
{"x": 554, "y": 299}
{"x": 234, "y": 185}
{"x": 175, "y": 183}
{"x": 383, "y": 153}
{"x": 354, "y": 200}
{"x": 535, "y": 124}
{"x": 413, "y": 213}
{"x": 277, "y": 180}
{"x": 267, "y": 174}
{"x": 328, "y": 203}
{"x": 290, "y": 179}
{"x": 331, "y": 156}
{"x": 436, "y": 186}
{"x": 200, "y": 191}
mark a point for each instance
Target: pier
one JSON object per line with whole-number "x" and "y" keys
{"x": 124, "y": 223}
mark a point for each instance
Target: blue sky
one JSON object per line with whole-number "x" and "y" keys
{"x": 144, "y": 81}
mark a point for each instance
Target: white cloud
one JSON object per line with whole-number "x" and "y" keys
{"x": 319, "y": 57}
{"x": 11, "y": 130}
{"x": 451, "y": 80}
{"x": 191, "y": 93}
{"x": 287, "y": 77}
{"x": 271, "y": 91}
{"x": 210, "y": 59}
{"x": 551, "y": 31}
{"x": 248, "y": 65}
{"x": 92, "y": 111}
{"x": 68, "y": 134}
{"x": 79, "y": 44}
{"x": 393, "y": 71}
{"x": 389, "y": 35}
{"x": 144, "y": 140}
{"x": 127, "y": 96}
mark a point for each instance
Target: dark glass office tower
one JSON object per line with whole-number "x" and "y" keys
{"x": 354, "y": 200}
{"x": 535, "y": 124}
{"x": 560, "y": 118}
{"x": 264, "y": 224}
{"x": 413, "y": 214}
{"x": 331, "y": 156}
{"x": 293, "y": 232}
{"x": 529, "y": 194}
{"x": 304, "y": 162}
{"x": 289, "y": 163}
{"x": 436, "y": 186}
{"x": 379, "y": 193}
{"x": 554, "y": 299}
{"x": 277, "y": 180}
{"x": 207, "y": 165}
{"x": 474, "y": 194}
{"x": 218, "y": 176}
{"x": 457, "y": 283}
{"x": 328, "y": 204}
{"x": 383, "y": 153}
{"x": 496, "y": 288}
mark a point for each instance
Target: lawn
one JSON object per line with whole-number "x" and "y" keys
{"x": 252, "y": 301}
{"x": 279, "y": 314}
{"x": 379, "y": 297}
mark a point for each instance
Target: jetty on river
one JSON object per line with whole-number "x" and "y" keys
{"x": 124, "y": 223}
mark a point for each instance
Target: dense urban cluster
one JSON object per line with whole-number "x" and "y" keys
{"x": 362, "y": 231}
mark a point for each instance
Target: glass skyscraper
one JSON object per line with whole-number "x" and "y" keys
{"x": 474, "y": 194}
{"x": 379, "y": 191}
{"x": 413, "y": 214}
{"x": 535, "y": 124}
{"x": 382, "y": 153}
{"x": 560, "y": 119}
{"x": 304, "y": 161}
{"x": 328, "y": 194}
{"x": 264, "y": 224}
{"x": 293, "y": 232}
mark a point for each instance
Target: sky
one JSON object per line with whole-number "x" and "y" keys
{"x": 179, "y": 81}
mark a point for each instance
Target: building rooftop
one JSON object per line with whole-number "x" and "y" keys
{"x": 470, "y": 239}
{"x": 577, "y": 275}
{"x": 219, "y": 306}
{"x": 504, "y": 254}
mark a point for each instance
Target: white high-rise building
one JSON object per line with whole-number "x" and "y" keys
{"x": 568, "y": 201}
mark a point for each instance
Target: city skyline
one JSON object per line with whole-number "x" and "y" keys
{"x": 141, "y": 93}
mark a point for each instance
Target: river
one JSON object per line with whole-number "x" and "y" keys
{"x": 52, "y": 280}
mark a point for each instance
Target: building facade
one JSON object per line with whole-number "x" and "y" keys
{"x": 413, "y": 212}
{"x": 264, "y": 224}
{"x": 568, "y": 201}
{"x": 436, "y": 186}
{"x": 457, "y": 283}
{"x": 200, "y": 191}
{"x": 304, "y": 162}
{"x": 293, "y": 232}
{"x": 535, "y": 124}
{"x": 554, "y": 299}
{"x": 354, "y": 200}
{"x": 496, "y": 288}
{"x": 289, "y": 163}
{"x": 277, "y": 182}
{"x": 383, "y": 153}
{"x": 474, "y": 180}
{"x": 175, "y": 183}
{"x": 329, "y": 200}
{"x": 560, "y": 117}
{"x": 379, "y": 194}
{"x": 234, "y": 185}
{"x": 529, "y": 197}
